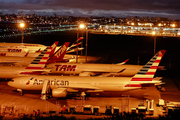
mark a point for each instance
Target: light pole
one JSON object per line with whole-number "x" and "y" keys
{"x": 86, "y": 43}
{"x": 82, "y": 27}
{"x": 22, "y": 26}
{"x": 154, "y": 34}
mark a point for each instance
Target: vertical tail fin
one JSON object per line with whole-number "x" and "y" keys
{"x": 59, "y": 54}
{"x": 148, "y": 71}
{"x": 39, "y": 62}
{"x": 53, "y": 46}
{"x": 73, "y": 47}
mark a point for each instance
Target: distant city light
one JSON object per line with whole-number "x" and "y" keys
{"x": 132, "y": 23}
{"x": 153, "y": 32}
{"x": 160, "y": 24}
{"x": 173, "y": 25}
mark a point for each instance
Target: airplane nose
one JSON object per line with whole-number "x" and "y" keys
{"x": 11, "y": 83}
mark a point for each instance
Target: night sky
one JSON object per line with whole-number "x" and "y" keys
{"x": 107, "y": 8}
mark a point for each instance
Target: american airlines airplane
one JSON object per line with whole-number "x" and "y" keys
{"x": 62, "y": 85}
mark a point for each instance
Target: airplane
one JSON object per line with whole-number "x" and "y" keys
{"x": 37, "y": 66}
{"x": 89, "y": 69}
{"x": 24, "y": 61}
{"x": 62, "y": 85}
{"x": 22, "y": 48}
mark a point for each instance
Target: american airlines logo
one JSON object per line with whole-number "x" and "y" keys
{"x": 51, "y": 82}
{"x": 61, "y": 51}
{"x": 65, "y": 67}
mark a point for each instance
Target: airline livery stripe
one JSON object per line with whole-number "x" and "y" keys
{"x": 140, "y": 72}
{"x": 157, "y": 61}
{"x": 141, "y": 79}
{"x": 39, "y": 57}
{"x": 145, "y": 68}
{"x": 133, "y": 85}
{"x": 35, "y": 68}
{"x": 153, "y": 67}
{"x": 30, "y": 73}
{"x": 45, "y": 57}
{"x": 143, "y": 76}
{"x": 148, "y": 66}
{"x": 159, "y": 58}
{"x": 155, "y": 64}
{"x": 152, "y": 70}
{"x": 35, "y": 62}
{"x": 150, "y": 73}
{"x": 42, "y": 63}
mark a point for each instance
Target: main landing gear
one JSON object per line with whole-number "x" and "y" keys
{"x": 20, "y": 91}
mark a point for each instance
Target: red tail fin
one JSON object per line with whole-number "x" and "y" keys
{"x": 59, "y": 55}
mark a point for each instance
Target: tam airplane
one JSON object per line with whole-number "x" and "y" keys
{"x": 62, "y": 85}
{"x": 37, "y": 66}
{"x": 25, "y": 61}
{"x": 22, "y": 48}
{"x": 85, "y": 69}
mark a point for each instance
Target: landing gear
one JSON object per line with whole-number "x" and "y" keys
{"x": 20, "y": 91}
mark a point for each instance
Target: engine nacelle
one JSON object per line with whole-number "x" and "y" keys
{"x": 59, "y": 92}
{"x": 84, "y": 74}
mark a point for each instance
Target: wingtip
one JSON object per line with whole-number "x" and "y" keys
{"x": 162, "y": 52}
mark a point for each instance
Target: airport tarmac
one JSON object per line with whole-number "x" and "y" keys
{"x": 30, "y": 101}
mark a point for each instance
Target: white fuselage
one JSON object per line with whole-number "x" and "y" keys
{"x": 75, "y": 82}
{"x": 130, "y": 70}
{"x": 76, "y": 68}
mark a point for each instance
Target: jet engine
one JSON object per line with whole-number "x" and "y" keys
{"x": 59, "y": 92}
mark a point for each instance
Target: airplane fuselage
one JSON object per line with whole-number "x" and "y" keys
{"x": 88, "y": 84}
{"x": 76, "y": 68}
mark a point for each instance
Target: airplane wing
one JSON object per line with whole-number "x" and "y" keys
{"x": 112, "y": 74}
{"x": 8, "y": 63}
{"x": 83, "y": 88}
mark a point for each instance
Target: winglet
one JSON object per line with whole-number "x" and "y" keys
{"x": 122, "y": 62}
{"x": 38, "y": 50}
{"x": 59, "y": 54}
{"x": 148, "y": 71}
{"x": 26, "y": 54}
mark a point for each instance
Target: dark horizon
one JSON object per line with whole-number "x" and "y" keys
{"x": 162, "y": 8}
